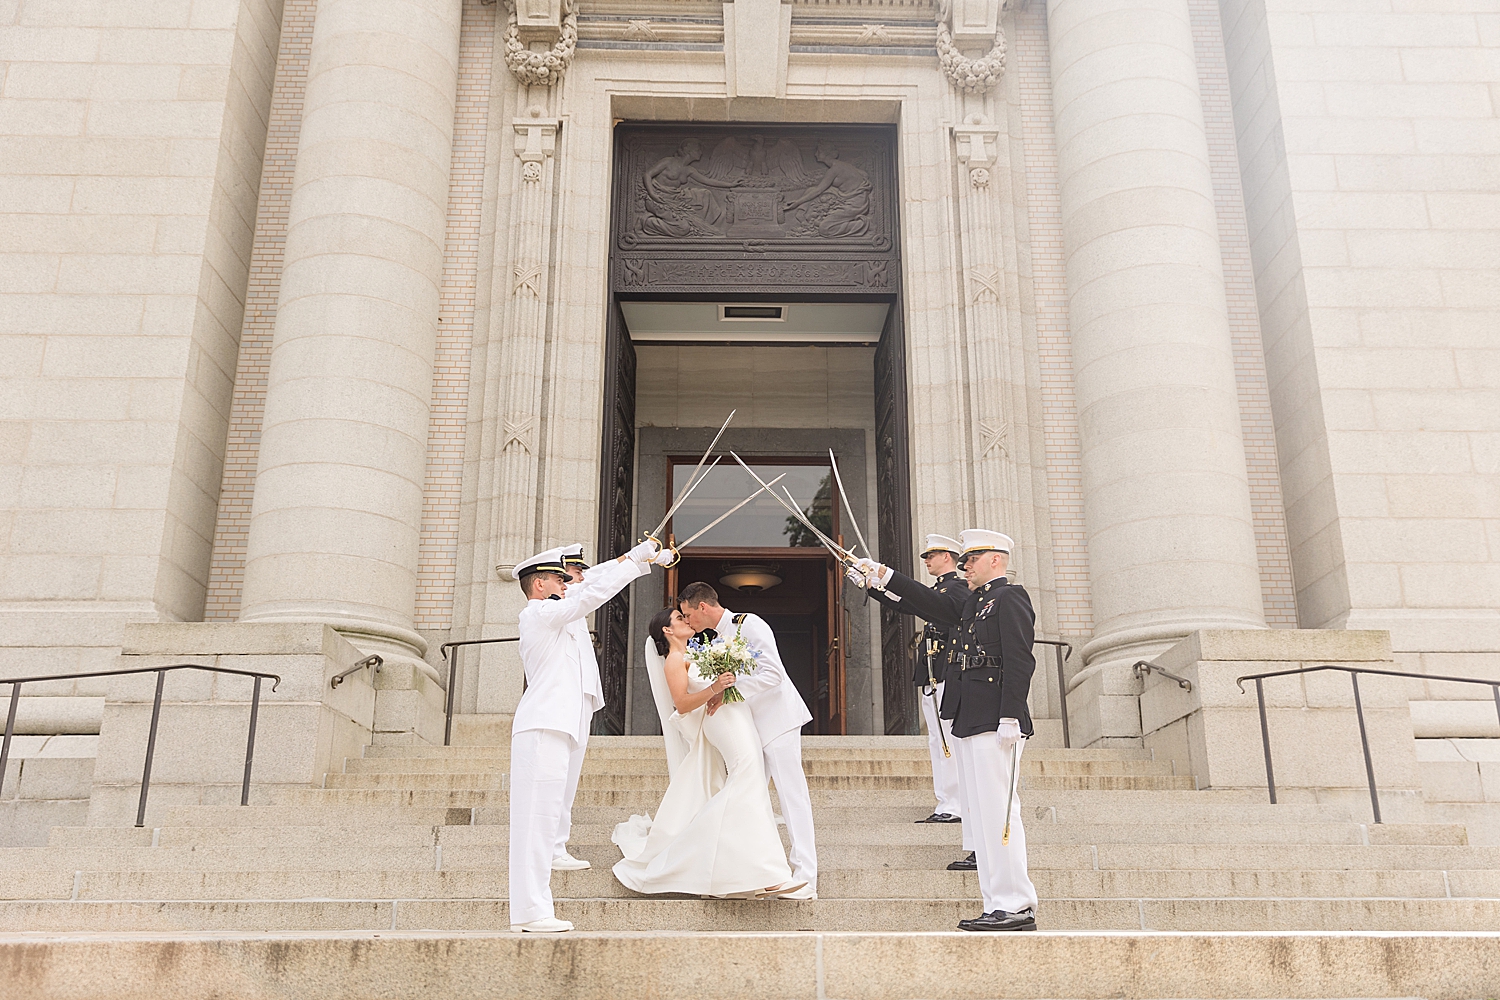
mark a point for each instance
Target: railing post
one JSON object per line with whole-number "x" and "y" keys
{"x": 452, "y": 652}
{"x": 140, "y": 812}
{"x": 10, "y": 729}
{"x": 1265, "y": 738}
{"x": 250, "y": 744}
{"x": 1062, "y": 695}
{"x": 1364, "y": 742}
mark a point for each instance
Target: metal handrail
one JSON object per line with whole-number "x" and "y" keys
{"x": 161, "y": 679}
{"x": 445, "y": 650}
{"x": 1359, "y": 710}
{"x": 452, "y": 659}
{"x": 1142, "y": 667}
{"x": 373, "y": 660}
{"x": 1058, "y": 646}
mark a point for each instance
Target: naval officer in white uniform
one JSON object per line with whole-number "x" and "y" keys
{"x": 779, "y": 712}
{"x": 552, "y": 721}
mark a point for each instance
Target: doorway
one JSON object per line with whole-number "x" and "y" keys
{"x": 773, "y": 250}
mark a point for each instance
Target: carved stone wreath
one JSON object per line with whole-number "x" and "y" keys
{"x": 972, "y": 76}
{"x": 541, "y": 68}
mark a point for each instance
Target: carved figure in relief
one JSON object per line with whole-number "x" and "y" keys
{"x": 746, "y": 189}
{"x": 838, "y": 204}
{"x": 680, "y": 200}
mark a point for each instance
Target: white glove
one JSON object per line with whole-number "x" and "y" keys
{"x": 644, "y": 552}
{"x": 876, "y": 575}
{"x": 665, "y": 557}
{"x": 855, "y": 577}
{"x": 1008, "y": 734}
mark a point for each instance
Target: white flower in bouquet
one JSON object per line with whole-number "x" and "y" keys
{"x": 723, "y": 656}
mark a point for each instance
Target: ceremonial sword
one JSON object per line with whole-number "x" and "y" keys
{"x": 693, "y": 481}
{"x": 715, "y": 521}
{"x": 843, "y": 555}
{"x": 1015, "y": 762}
{"x": 847, "y": 507}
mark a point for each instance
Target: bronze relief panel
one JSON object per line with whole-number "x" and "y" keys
{"x": 750, "y": 207}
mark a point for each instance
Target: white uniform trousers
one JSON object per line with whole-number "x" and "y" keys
{"x": 944, "y": 768}
{"x": 570, "y": 792}
{"x": 964, "y": 793}
{"x": 1003, "y": 881}
{"x": 783, "y": 757}
{"x": 538, "y": 784}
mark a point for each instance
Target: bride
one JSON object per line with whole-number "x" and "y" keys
{"x": 714, "y": 833}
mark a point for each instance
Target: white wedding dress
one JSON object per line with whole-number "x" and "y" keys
{"x": 714, "y": 832}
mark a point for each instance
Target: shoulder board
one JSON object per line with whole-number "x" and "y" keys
{"x": 739, "y": 619}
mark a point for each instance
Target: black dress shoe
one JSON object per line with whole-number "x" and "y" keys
{"x": 968, "y": 925}
{"x": 969, "y": 864}
{"x": 1002, "y": 921}
{"x": 941, "y": 818}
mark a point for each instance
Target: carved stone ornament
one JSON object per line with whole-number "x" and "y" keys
{"x": 972, "y": 76}
{"x": 701, "y": 205}
{"x": 541, "y": 69}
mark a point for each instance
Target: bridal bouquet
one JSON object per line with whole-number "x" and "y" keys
{"x": 723, "y": 656}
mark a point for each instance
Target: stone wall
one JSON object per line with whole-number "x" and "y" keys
{"x": 133, "y": 139}
{"x": 1368, "y": 141}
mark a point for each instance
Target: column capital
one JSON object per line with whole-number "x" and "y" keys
{"x": 977, "y": 144}
{"x": 538, "y": 135}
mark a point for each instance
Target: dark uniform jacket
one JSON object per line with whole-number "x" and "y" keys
{"x": 992, "y": 642}
{"x": 935, "y": 636}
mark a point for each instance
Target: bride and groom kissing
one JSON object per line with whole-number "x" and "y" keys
{"x": 714, "y": 833}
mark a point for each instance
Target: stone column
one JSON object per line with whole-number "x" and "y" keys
{"x": 338, "y": 493}
{"x": 1166, "y": 499}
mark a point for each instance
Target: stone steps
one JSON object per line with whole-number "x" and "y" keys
{"x": 700, "y": 915}
{"x": 874, "y": 834}
{"x": 896, "y": 883}
{"x": 794, "y": 966}
{"x": 412, "y": 841}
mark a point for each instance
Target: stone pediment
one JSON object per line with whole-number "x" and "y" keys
{"x": 745, "y": 206}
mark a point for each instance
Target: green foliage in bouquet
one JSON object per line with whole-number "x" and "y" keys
{"x": 723, "y": 656}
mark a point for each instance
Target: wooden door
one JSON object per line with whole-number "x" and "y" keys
{"x": 893, "y": 490}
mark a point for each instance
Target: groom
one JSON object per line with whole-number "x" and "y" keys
{"x": 779, "y": 715}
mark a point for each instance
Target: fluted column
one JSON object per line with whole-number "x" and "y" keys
{"x": 338, "y": 492}
{"x": 1166, "y": 499}
{"x": 531, "y": 178}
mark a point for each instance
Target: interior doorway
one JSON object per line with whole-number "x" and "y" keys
{"x": 762, "y": 560}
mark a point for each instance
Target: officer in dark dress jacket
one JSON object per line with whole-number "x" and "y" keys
{"x": 930, "y": 674}
{"x": 992, "y": 653}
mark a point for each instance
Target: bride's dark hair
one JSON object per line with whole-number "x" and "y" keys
{"x": 659, "y": 621}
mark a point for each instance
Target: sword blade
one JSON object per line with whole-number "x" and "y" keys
{"x": 687, "y": 491}
{"x": 714, "y": 523}
{"x": 832, "y": 546}
{"x": 688, "y": 486}
{"x": 847, "y": 508}
{"x": 843, "y": 556}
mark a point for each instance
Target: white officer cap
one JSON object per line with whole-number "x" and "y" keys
{"x": 573, "y": 555}
{"x": 976, "y": 540}
{"x": 940, "y": 543}
{"x": 550, "y": 561}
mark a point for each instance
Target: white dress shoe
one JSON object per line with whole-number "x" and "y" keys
{"x": 567, "y": 863}
{"x": 803, "y": 892}
{"x": 546, "y": 925}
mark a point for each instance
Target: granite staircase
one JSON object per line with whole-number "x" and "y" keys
{"x": 390, "y": 881}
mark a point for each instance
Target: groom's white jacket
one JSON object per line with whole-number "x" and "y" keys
{"x": 773, "y": 699}
{"x": 562, "y": 677}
